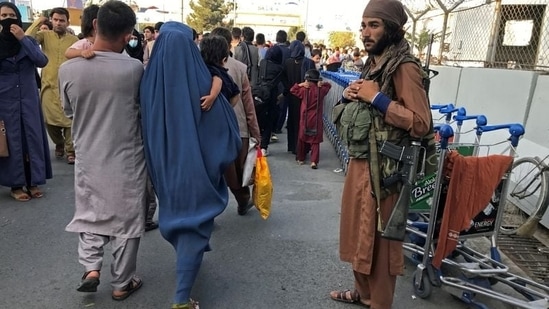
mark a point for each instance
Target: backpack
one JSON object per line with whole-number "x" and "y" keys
{"x": 262, "y": 91}
{"x": 246, "y": 58}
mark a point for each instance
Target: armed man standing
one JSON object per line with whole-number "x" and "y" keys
{"x": 398, "y": 111}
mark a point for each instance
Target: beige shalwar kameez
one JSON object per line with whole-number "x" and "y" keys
{"x": 54, "y": 46}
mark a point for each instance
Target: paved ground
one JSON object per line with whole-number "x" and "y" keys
{"x": 288, "y": 261}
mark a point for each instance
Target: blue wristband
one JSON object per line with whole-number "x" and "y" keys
{"x": 381, "y": 102}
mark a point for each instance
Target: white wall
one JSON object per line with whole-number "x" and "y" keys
{"x": 444, "y": 87}
{"x": 503, "y": 96}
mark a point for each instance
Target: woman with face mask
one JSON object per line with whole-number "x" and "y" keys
{"x": 134, "y": 48}
{"x": 27, "y": 164}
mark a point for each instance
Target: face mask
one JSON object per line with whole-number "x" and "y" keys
{"x": 5, "y": 25}
{"x": 132, "y": 43}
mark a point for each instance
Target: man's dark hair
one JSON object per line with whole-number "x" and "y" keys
{"x": 315, "y": 52}
{"x": 158, "y": 25}
{"x": 88, "y": 15}
{"x": 248, "y": 34}
{"x": 236, "y": 33}
{"x": 222, "y": 32}
{"x": 260, "y": 39}
{"x": 214, "y": 49}
{"x": 60, "y": 11}
{"x": 115, "y": 18}
{"x": 195, "y": 34}
{"x": 151, "y": 29}
{"x": 393, "y": 32}
{"x": 48, "y": 23}
{"x": 281, "y": 36}
{"x": 300, "y": 36}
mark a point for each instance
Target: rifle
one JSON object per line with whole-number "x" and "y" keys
{"x": 408, "y": 157}
{"x": 426, "y": 68}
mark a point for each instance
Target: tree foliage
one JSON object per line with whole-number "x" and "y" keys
{"x": 208, "y": 14}
{"x": 341, "y": 38}
{"x": 422, "y": 39}
{"x": 293, "y": 31}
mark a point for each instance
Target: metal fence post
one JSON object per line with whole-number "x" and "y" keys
{"x": 494, "y": 35}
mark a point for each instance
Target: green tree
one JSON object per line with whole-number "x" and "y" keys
{"x": 341, "y": 38}
{"x": 293, "y": 31}
{"x": 422, "y": 39}
{"x": 208, "y": 14}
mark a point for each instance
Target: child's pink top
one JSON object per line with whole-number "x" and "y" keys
{"x": 82, "y": 44}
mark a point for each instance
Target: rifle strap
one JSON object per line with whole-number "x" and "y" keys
{"x": 375, "y": 174}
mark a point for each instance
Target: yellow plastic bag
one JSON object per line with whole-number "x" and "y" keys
{"x": 263, "y": 186}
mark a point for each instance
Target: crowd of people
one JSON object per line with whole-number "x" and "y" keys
{"x": 156, "y": 124}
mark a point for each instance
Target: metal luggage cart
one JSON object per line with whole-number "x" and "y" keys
{"x": 422, "y": 192}
{"x": 467, "y": 272}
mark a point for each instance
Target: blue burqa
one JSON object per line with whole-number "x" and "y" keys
{"x": 187, "y": 150}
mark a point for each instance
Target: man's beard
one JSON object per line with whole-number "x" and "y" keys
{"x": 59, "y": 30}
{"x": 379, "y": 47}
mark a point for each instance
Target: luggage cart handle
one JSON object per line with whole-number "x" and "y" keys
{"x": 437, "y": 107}
{"x": 515, "y": 129}
{"x": 462, "y": 116}
{"x": 448, "y": 110}
{"x": 446, "y": 132}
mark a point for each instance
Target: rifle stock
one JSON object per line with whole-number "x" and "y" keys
{"x": 396, "y": 226}
{"x": 395, "y": 229}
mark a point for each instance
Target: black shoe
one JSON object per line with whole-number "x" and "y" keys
{"x": 243, "y": 209}
{"x": 149, "y": 226}
{"x": 88, "y": 285}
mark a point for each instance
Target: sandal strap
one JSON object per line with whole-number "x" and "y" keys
{"x": 133, "y": 283}
{"x": 348, "y": 296}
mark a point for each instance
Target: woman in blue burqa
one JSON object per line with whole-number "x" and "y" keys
{"x": 187, "y": 149}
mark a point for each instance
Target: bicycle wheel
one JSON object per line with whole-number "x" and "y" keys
{"x": 526, "y": 195}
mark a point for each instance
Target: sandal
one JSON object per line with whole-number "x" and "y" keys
{"x": 348, "y": 296}
{"x": 35, "y": 192}
{"x": 190, "y": 305}
{"x": 134, "y": 285}
{"x": 59, "y": 151}
{"x": 70, "y": 159}
{"x": 88, "y": 285}
{"x": 20, "y": 195}
{"x": 314, "y": 166}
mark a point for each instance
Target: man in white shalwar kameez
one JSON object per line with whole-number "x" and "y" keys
{"x": 101, "y": 95}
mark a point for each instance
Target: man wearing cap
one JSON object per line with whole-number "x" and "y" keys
{"x": 391, "y": 86}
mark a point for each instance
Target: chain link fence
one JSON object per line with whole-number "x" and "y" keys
{"x": 512, "y": 34}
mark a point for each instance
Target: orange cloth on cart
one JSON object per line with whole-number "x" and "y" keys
{"x": 472, "y": 184}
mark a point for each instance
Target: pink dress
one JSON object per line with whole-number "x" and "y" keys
{"x": 82, "y": 44}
